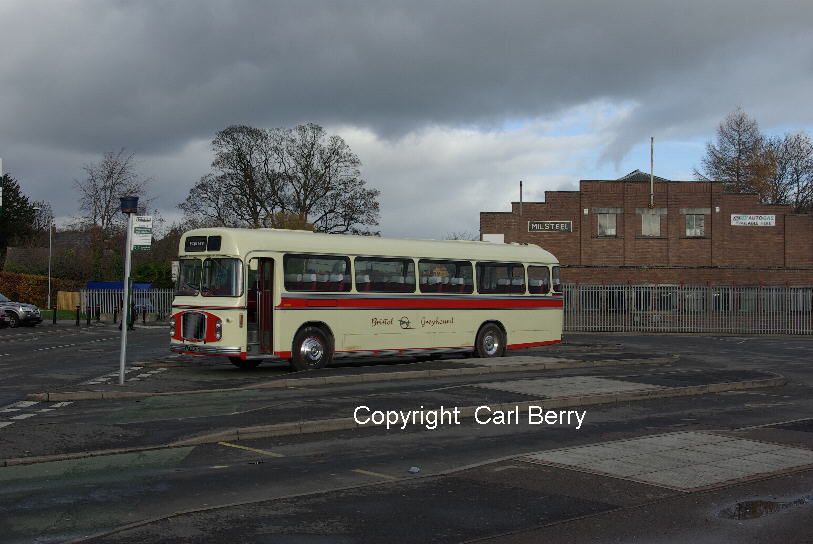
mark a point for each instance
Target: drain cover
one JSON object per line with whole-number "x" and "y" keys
{"x": 756, "y": 509}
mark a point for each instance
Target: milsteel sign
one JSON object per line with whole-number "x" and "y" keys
{"x": 550, "y": 226}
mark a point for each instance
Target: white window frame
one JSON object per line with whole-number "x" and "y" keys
{"x": 608, "y": 230}
{"x": 692, "y": 227}
{"x": 650, "y": 224}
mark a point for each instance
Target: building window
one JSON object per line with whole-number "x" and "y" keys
{"x": 650, "y": 224}
{"x": 606, "y": 224}
{"x": 695, "y": 224}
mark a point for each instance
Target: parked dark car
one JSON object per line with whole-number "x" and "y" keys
{"x": 19, "y": 313}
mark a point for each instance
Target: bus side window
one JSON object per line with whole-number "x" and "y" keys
{"x": 445, "y": 276}
{"x": 538, "y": 280}
{"x": 383, "y": 275}
{"x": 500, "y": 278}
{"x": 517, "y": 279}
{"x": 557, "y": 282}
{"x": 324, "y": 273}
{"x": 492, "y": 278}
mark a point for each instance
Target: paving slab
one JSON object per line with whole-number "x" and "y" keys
{"x": 567, "y": 386}
{"x": 684, "y": 461}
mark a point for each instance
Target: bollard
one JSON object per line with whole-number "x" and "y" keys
{"x": 53, "y": 314}
{"x": 98, "y": 313}
{"x": 88, "y": 314}
{"x": 77, "y": 315}
{"x": 115, "y": 314}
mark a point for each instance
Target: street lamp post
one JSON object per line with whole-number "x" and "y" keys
{"x": 50, "y": 231}
{"x": 129, "y": 206}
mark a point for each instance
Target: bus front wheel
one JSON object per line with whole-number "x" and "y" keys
{"x": 312, "y": 349}
{"x": 490, "y": 341}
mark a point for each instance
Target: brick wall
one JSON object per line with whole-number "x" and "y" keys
{"x": 725, "y": 254}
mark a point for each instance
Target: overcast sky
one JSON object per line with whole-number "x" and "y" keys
{"x": 447, "y": 104}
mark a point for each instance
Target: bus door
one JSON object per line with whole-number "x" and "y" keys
{"x": 265, "y": 304}
{"x": 260, "y": 305}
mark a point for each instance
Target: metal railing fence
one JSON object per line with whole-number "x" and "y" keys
{"x": 156, "y": 301}
{"x": 620, "y": 308}
{"x": 689, "y": 308}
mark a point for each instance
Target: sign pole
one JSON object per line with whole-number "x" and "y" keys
{"x": 129, "y": 206}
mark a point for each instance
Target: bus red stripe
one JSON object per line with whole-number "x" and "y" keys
{"x": 418, "y": 303}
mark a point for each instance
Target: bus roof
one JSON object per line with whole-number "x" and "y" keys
{"x": 242, "y": 241}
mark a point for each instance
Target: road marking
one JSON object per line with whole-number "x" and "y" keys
{"x": 45, "y": 410}
{"x": 61, "y": 404}
{"x": 264, "y": 452}
{"x": 24, "y": 403}
{"x": 23, "y": 416}
{"x": 5, "y": 423}
{"x": 376, "y": 474}
{"x": 220, "y": 466}
{"x": 7, "y": 410}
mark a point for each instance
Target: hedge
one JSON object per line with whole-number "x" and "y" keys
{"x": 34, "y": 289}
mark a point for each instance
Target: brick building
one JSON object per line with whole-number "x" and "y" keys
{"x": 694, "y": 234}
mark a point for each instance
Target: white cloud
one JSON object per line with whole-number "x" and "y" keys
{"x": 436, "y": 180}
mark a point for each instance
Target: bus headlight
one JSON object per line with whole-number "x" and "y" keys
{"x": 172, "y": 326}
{"x": 218, "y": 329}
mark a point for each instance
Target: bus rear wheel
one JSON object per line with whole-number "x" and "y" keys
{"x": 490, "y": 341}
{"x": 312, "y": 349}
{"x": 245, "y": 364}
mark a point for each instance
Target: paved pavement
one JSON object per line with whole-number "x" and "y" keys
{"x": 621, "y": 477}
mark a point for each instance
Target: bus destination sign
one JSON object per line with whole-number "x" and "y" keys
{"x": 550, "y": 226}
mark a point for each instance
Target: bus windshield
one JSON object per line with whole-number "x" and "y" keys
{"x": 221, "y": 278}
{"x": 209, "y": 277}
{"x": 189, "y": 272}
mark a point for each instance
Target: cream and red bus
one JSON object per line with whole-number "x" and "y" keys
{"x": 266, "y": 294}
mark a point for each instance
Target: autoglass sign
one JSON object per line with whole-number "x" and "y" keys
{"x": 202, "y": 243}
{"x": 750, "y": 220}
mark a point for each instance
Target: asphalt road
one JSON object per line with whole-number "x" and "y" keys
{"x": 49, "y": 356}
{"x": 356, "y": 486}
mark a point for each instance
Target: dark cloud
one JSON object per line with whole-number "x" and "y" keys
{"x": 77, "y": 79}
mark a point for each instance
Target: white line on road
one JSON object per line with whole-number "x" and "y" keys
{"x": 23, "y": 416}
{"x": 5, "y": 423}
{"x": 23, "y": 404}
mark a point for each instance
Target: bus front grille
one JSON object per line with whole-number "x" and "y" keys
{"x": 193, "y": 325}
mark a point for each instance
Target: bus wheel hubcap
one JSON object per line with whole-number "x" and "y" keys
{"x": 311, "y": 349}
{"x": 490, "y": 344}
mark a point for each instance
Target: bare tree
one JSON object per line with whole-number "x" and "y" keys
{"x": 43, "y": 217}
{"x": 462, "y": 235}
{"x": 737, "y": 156}
{"x": 264, "y": 177}
{"x": 791, "y": 181}
{"x": 106, "y": 181}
